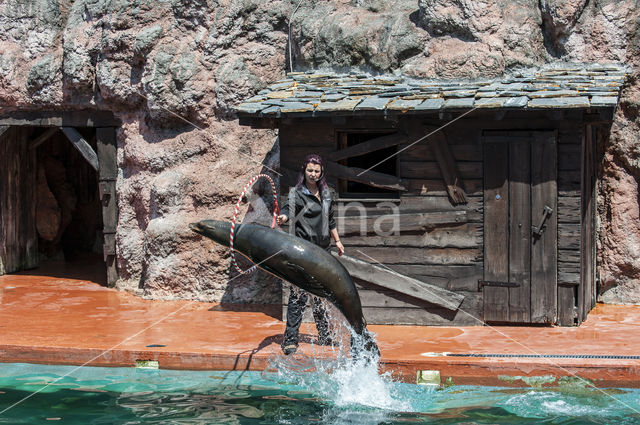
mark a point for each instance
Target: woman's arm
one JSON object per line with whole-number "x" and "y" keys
{"x": 336, "y": 239}
{"x": 285, "y": 211}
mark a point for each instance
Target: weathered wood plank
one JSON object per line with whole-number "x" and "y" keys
{"x": 544, "y": 252}
{"x": 82, "y": 146}
{"x": 569, "y": 236}
{"x": 569, "y": 278}
{"x": 571, "y": 267}
{"x": 463, "y": 236}
{"x": 587, "y": 292}
{"x": 40, "y": 118}
{"x": 439, "y": 256}
{"x": 393, "y": 223}
{"x": 569, "y": 209}
{"x": 472, "y": 187}
{"x": 496, "y": 222}
{"x": 370, "y": 178}
{"x": 18, "y": 234}
{"x": 569, "y": 256}
{"x": 465, "y": 316}
{"x": 568, "y": 157}
{"x": 368, "y": 146}
{"x": 569, "y": 180}
{"x": 43, "y": 137}
{"x": 447, "y": 165}
{"x": 520, "y": 231}
{"x": 390, "y": 279}
{"x": 422, "y": 151}
{"x": 375, "y": 296}
{"x": 448, "y": 272}
{"x": 570, "y": 136}
{"x": 107, "y": 153}
{"x": 430, "y": 170}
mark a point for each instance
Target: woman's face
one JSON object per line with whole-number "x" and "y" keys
{"x": 313, "y": 172}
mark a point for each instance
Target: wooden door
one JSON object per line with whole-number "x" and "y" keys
{"x": 18, "y": 236}
{"x": 520, "y": 228}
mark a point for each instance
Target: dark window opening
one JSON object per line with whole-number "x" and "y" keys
{"x": 387, "y": 163}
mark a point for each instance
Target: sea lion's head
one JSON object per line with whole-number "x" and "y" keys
{"x": 213, "y": 229}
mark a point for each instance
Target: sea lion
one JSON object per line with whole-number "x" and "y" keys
{"x": 299, "y": 262}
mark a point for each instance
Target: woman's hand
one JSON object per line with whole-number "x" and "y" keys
{"x": 340, "y": 248}
{"x": 281, "y": 219}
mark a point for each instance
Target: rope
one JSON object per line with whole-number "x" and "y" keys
{"x": 276, "y": 212}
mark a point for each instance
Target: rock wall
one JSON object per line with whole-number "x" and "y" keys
{"x": 172, "y": 69}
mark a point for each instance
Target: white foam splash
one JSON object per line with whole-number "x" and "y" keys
{"x": 340, "y": 380}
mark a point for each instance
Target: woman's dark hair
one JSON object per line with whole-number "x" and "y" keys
{"x": 312, "y": 159}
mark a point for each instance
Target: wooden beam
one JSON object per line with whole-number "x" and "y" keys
{"x": 448, "y": 168}
{"x": 82, "y": 145}
{"x": 406, "y": 222}
{"x": 41, "y": 118}
{"x": 397, "y": 282}
{"x": 43, "y": 137}
{"x": 368, "y": 146}
{"x": 370, "y": 178}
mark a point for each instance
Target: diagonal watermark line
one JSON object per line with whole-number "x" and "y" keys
{"x": 509, "y": 337}
{"x": 419, "y": 140}
{"x": 208, "y": 134}
{"x": 121, "y": 342}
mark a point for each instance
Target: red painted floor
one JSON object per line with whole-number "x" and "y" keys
{"x": 62, "y": 315}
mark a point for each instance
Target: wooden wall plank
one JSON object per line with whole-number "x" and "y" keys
{"x": 519, "y": 300}
{"x": 448, "y": 170}
{"x": 569, "y": 209}
{"x": 463, "y": 236}
{"x": 466, "y": 315}
{"x": 403, "y": 222}
{"x": 40, "y": 118}
{"x": 431, "y": 170}
{"x": 18, "y": 234}
{"x": 587, "y": 292}
{"x": 422, "y": 151}
{"x": 496, "y": 221}
{"x": 472, "y": 187}
{"x": 441, "y": 256}
{"x": 544, "y": 256}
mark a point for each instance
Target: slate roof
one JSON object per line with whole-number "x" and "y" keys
{"x": 556, "y": 86}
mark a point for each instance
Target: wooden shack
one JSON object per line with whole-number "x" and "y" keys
{"x": 459, "y": 202}
{"x": 58, "y": 173}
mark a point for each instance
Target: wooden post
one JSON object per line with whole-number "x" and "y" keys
{"x": 107, "y": 176}
{"x": 18, "y": 234}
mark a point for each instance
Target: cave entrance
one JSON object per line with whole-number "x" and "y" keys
{"x": 58, "y": 211}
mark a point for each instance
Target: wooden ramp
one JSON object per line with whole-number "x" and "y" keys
{"x": 389, "y": 279}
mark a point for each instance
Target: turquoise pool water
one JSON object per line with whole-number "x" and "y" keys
{"x": 287, "y": 394}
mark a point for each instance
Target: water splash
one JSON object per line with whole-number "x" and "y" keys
{"x": 341, "y": 380}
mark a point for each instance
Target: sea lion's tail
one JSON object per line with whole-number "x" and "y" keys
{"x": 363, "y": 346}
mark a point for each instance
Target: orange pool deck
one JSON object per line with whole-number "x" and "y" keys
{"x": 46, "y": 316}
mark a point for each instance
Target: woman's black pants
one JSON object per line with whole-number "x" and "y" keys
{"x": 295, "y": 311}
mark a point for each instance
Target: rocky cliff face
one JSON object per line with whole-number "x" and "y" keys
{"x": 172, "y": 69}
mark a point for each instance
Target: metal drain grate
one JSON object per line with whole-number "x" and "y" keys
{"x": 548, "y": 356}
